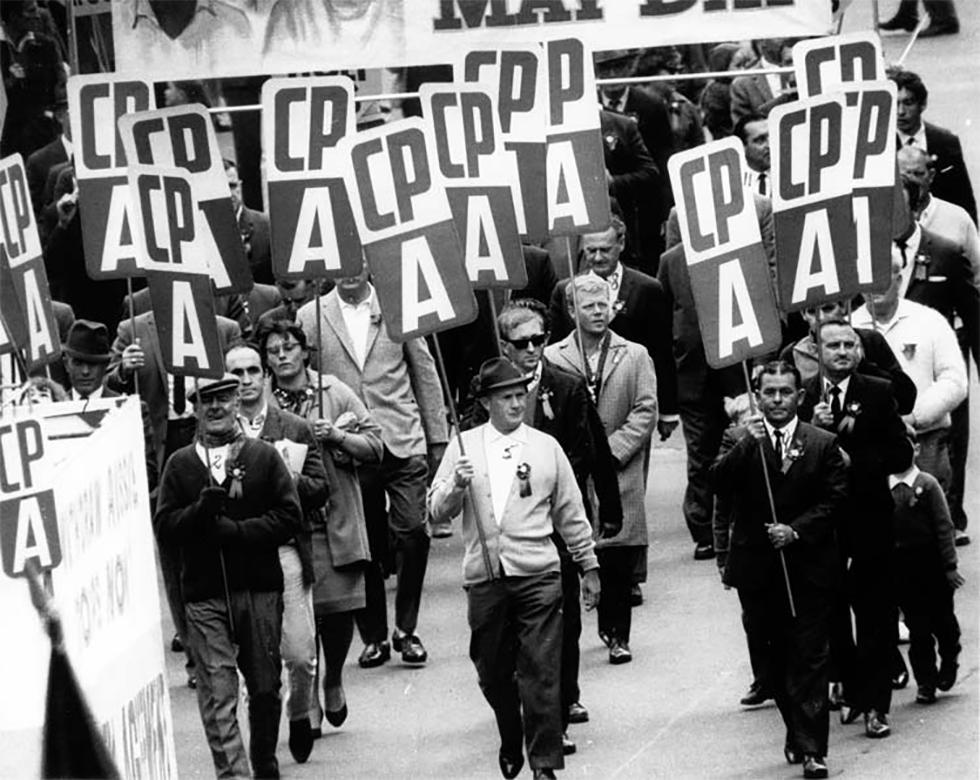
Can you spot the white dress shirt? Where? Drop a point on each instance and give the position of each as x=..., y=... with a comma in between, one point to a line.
x=503, y=452
x=843, y=385
x=93, y=396
x=357, y=318
x=911, y=250
x=918, y=138
x=788, y=431
x=252, y=428
x=906, y=477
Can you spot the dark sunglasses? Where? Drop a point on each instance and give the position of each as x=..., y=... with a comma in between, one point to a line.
x=534, y=341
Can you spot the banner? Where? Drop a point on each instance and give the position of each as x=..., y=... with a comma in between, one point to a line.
x=726, y=260
x=31, y=322
x=183, y=137
x=160, y=41
x=406, y=224
x=187, y=327
x=481, y=181
x=312, y=227
x=95, y=104
x=812, y=155
x=105, y=589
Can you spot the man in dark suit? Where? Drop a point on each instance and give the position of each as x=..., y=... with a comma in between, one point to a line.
x=808, y=480
x=758, y=93
x=254, y=229
x=952, y=181
x=40, y=163
x=861, y=411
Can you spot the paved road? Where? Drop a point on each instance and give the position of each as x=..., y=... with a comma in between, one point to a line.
x=673, y=712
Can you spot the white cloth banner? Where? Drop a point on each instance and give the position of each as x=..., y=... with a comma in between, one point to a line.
x=237, y=38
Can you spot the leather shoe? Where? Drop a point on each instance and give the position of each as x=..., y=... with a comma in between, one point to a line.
x=704, y=552
x=899, y=22
x=619, y=652
x=336, y=718
x=374, y=654
x=849, y=714
x=756, y=695
x=510, y=765
x=300, y=740
x=962, y=539
x=410, y=646
x=876, y=725
x=577, y=713
x=567, y=745
x=793, y=756
x=192, y=681
x=176, y=645
x=636, y=596
x=947, y=675
x=836, y=697
x=900, y=680
x=940, y=28
x=925, y=694
x=814, y=766
x=606, y=638
x=544, y=773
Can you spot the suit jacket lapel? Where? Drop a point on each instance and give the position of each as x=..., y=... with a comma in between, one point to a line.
x=374, y=328
x=333, y=317
x=617, y=351
x=796, y=443
x=568, y=351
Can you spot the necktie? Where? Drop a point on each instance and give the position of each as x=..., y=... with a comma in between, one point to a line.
x=180, y=397
x=762, y=183
x=911, y=141
x=902, y=246
x=779, y=445
x=835, y=402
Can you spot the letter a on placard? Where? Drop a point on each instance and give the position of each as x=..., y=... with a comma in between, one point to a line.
x=734, y=300
x=183, y=309
x=417, y=260
x=480, y=224
x=188, y=339
x=32, y=540
x=816, y=243
x=119, y=245
x=315, y=215
x=39, y=335
x=565, y=195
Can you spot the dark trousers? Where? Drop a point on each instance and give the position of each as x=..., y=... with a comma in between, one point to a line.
x=515, y=644
x=249, y=639
x=616, y=567
x=571, y=609
x=756, y=628
x=871, y=591
x=959, y=442
x=926, y=600
x=799, y=660
x=703, y=421
x=403, y=526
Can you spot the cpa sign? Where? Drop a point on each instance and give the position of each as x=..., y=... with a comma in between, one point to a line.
x=726, y=261
x=28, y=520
x=310, y=219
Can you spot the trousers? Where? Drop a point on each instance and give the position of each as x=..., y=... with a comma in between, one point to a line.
x=616, y=567
x=703, y=422
x=298, y=634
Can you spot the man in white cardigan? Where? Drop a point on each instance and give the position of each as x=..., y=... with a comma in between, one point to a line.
x=514, y=486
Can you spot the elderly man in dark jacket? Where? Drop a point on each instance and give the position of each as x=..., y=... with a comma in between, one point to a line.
x=229, y=502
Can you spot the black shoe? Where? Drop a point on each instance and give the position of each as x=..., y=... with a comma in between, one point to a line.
x=946, y=678
x=606, y=638
x=876, y=725
x=900, y=680
x=926, y=694
x=374, y=654
x=962, y=539
x=577, y=713
x=192, y=681
x=636, y=596
x=442, y=530
x=757, y=694
x=619, y=652
x=793, y=756
x=300, y=740
x=176, y=645
x=567, y=746
x=836, y=697
x=940, y=28
x=704, y=552
x=336, y=718
x=849, y=714
x=510, y=765
x=410, y=646
x=545, y=773
x=899, y=21
x=814, y=766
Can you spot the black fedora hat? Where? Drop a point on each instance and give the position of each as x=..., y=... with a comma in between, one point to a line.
x=497, y=374
x=88, y=341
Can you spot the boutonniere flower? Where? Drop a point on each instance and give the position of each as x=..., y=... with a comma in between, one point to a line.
x=617, y=306
x=794, y=453
x=853, y=408
x=916, y=495
x=375, y=318
x=544, y=395
x=237, y=473
x=524, y=477
x=611, y=141
x=617, y=356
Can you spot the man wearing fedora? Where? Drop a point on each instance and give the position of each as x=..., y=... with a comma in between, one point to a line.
x=86, y=354
x=229, y=502
x=514, y=486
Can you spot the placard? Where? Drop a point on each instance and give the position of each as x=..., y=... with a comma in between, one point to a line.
x=726, y=260
x=187, y=327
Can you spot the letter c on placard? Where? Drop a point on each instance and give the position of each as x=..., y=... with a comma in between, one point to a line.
x=700, y=242
x=788, y=189
x=373, y=219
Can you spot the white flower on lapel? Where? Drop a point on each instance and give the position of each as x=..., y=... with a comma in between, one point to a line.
x=544, y=395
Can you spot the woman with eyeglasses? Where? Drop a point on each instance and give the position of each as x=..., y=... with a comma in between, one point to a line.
x=347, y=436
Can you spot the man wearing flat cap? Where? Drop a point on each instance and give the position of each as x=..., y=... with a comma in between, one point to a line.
x=513, y=486
x=229, y=502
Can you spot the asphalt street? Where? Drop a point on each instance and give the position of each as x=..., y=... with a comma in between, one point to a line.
x=673, y=712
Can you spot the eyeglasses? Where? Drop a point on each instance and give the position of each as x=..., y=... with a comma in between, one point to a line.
x=534, y=341
x=282, y=349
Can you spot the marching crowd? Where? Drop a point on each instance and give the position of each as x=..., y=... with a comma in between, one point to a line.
x=328, y=455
